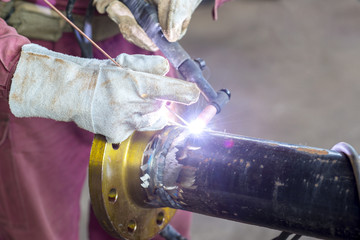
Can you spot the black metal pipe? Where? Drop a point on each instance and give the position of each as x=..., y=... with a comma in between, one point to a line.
x=299, y=189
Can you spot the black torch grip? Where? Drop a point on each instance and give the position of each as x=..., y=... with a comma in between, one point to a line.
x=146, y=16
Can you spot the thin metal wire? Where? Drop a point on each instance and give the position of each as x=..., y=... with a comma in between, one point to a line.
x=177, y=115
x=81, y=32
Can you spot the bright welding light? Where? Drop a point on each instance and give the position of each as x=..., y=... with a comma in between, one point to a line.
x=200, y=123
x=197, y=126
x=204, y=118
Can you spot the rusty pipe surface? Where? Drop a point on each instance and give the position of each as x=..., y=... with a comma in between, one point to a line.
x=299, y=189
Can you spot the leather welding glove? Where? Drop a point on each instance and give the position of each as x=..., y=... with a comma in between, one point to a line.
x=96, y=94
x=174, y=18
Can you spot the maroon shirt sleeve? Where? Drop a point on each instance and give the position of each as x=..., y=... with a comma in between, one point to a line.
x=10, y=48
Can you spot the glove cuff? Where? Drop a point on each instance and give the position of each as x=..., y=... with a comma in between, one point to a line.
x=53, y=85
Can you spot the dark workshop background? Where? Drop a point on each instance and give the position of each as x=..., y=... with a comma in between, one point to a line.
x=293, y=68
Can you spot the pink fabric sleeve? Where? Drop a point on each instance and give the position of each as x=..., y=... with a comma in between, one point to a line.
x=10, y=47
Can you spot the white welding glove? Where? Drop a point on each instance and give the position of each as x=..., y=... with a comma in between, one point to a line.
x=96, y=94
x=174, y=18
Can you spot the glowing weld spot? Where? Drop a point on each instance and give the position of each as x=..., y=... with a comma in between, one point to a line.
x=197, y=126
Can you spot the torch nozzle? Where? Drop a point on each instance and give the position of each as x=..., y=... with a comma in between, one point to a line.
x=223, y=96
x=207, y=114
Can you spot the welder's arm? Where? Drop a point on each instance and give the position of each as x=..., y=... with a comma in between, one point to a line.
x=10, y=48
x=97, y=95
x=174, y=18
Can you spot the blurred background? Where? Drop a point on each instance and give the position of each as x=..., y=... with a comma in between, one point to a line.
x=293, y=68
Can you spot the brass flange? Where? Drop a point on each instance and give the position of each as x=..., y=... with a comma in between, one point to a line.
x=116, y=194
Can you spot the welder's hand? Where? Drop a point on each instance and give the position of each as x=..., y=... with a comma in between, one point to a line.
x=96, y=94
x=174, y=17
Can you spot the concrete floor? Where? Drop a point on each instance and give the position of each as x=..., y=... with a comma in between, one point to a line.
x=293, y=68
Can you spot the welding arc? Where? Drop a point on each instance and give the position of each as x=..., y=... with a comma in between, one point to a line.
x=81, y=32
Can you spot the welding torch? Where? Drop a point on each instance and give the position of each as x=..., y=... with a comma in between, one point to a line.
x=146, y=16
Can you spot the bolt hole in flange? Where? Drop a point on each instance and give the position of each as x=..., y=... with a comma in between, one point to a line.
x=113, y=195
x=160, y=218
x=115, y=146
x=132, y=226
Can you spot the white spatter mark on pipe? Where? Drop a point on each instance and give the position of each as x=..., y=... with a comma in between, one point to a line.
x=144, y=167
x=145, y=184
x=145, y=177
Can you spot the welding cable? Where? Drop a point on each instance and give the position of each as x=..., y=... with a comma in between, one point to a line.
x=284, y=236
x=85, y=45
x=296, y=237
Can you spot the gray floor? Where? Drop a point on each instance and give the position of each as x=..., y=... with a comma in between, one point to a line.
x=293, y=67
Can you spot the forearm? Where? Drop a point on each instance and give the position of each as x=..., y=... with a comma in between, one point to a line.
x=10, y=48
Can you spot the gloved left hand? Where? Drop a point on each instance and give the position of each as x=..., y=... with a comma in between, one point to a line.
x=174, y=18
x=96, y=94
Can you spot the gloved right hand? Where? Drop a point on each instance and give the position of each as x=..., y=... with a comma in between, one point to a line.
x=96, y=94
x=174, y=18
